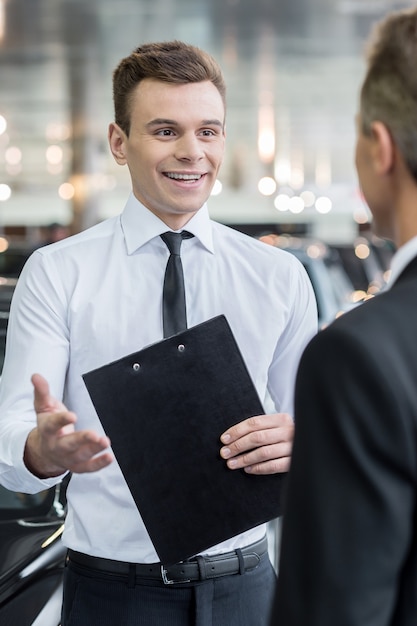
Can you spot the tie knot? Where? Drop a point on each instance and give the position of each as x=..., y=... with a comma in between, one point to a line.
x=173, y=240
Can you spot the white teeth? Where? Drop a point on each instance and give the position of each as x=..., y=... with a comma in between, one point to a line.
x=184, y=176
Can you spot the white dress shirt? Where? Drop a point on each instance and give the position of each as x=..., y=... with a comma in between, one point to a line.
x=96, y=297
x=402, y=257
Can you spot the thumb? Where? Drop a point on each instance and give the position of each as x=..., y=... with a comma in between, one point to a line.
x=43, y=401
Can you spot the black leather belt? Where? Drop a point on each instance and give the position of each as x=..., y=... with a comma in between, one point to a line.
x=197, y=568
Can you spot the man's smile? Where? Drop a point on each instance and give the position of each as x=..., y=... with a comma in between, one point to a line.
x=178, y=176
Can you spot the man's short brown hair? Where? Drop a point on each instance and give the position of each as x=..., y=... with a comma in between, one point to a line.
x=171, y=62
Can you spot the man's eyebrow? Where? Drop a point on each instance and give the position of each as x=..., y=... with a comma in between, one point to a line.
x=214, y=122
x=161, y=121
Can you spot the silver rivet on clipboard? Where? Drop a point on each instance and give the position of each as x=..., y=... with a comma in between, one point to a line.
x=136, y=367
x=181, y=347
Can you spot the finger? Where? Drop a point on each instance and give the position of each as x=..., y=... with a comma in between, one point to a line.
x=94, y=464
x=259, y=456
x=86, y=453
x=86, y=444
x=257, y=440
x=255, y=423
x=43, y=401
x=274, y=466
x=56, y=424
x=41, y=392
x=82, y=444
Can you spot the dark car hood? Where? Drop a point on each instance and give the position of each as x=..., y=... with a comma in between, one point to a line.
x=23, y=540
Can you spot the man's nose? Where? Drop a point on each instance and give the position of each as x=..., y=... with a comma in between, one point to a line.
x=189, y=148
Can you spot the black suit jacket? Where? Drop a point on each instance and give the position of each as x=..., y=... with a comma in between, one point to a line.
x=349, y=539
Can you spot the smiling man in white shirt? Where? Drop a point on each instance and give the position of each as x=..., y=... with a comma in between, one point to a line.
x=97, y=296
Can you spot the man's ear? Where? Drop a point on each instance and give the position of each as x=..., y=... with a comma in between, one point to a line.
x=117, y=142
x=383, y=148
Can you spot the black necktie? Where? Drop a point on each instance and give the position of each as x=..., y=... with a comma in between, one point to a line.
x=174, y=313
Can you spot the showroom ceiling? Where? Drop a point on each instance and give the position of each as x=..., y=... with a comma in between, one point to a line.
x=300, y=62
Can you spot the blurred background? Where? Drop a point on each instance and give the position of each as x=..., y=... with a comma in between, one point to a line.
x=293, y=70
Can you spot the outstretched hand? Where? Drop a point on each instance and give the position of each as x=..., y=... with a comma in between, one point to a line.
x=54, y=446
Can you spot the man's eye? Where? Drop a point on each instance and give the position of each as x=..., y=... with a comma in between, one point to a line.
x=165, y=132
x=208, y=133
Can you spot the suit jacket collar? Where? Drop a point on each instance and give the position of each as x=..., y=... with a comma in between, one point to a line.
x=403, y=256
x=409, y=271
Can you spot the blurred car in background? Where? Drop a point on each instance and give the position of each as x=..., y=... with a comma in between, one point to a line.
x=7, y=286
x=333, y=288
x=13, y=256
x=32, y=556
x=366, y=261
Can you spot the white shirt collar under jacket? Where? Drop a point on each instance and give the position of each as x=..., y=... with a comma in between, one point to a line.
x=402, y=258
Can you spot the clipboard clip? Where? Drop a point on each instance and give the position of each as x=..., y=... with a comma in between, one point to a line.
x=169, y=581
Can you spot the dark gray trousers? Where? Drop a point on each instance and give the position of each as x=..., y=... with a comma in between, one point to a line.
x=96, y=599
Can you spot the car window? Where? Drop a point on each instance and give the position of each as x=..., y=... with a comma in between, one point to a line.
x=21, y=501
x=13, y=259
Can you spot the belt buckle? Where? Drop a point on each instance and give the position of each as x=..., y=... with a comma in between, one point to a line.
x=169, y=581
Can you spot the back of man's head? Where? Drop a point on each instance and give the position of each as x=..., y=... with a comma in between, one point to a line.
x=389, y=91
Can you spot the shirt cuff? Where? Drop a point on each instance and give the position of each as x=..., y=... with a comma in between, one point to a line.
x=17, y=477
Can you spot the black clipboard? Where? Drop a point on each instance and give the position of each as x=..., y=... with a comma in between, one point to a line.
x=164, y=409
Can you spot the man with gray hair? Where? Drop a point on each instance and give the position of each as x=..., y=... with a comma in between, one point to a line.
x=349, y=540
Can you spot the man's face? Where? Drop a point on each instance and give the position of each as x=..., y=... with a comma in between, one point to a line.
x=175, y=146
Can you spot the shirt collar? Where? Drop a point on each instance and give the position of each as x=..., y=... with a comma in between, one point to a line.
x=404, y=255
x=140, y=225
